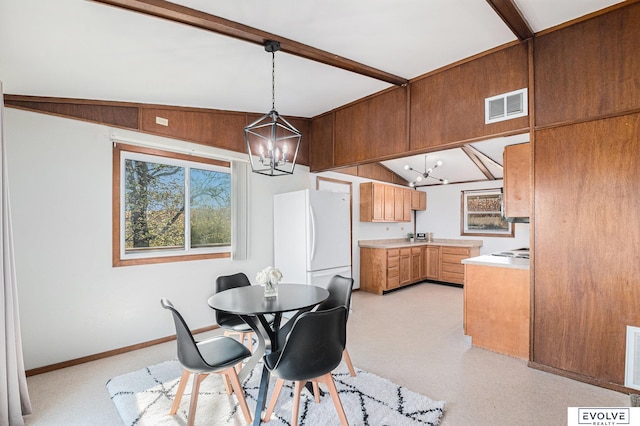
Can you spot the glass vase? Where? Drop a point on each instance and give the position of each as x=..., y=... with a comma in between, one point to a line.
x=271, y=289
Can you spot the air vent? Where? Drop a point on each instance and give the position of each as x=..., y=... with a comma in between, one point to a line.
x=506, y=106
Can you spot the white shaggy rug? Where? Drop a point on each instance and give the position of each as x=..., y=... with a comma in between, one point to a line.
x=144, y=397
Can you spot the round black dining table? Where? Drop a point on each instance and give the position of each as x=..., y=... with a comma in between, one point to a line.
x=254, y=308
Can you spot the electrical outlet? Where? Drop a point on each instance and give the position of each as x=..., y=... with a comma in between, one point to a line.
x=162, y=121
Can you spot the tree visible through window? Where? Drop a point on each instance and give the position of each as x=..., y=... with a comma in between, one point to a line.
x=155, y=217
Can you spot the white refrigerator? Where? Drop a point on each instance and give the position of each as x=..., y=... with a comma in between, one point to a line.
x=312, y=236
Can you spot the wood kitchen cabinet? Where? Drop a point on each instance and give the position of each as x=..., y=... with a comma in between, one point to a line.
x=418, y=200
x=416, y=264
x=384, y=203
x=384, y=269
x=451, y=267
x=431, y=262
x=517, y=180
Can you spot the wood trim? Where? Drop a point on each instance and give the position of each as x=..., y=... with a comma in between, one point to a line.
x=465, y=60
x=511, y=16
x=116, y=208
x=472, y=153
x=113, y=352
x=198, y=19
x=592, y=15
x=585, y=379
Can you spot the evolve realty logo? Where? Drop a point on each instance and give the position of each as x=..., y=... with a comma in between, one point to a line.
x=604, y=416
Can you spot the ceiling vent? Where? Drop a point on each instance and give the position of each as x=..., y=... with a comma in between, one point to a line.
x=506, y=106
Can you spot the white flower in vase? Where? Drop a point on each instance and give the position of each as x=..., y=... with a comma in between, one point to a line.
x=269, y=277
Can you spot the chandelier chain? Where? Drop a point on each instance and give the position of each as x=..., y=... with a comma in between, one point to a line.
x=273, y=80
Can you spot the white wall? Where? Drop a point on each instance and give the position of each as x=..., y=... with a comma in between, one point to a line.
x=73, y=303
x=442, y=217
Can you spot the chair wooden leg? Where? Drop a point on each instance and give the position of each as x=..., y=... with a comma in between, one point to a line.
x=197, y=379
x=181, y=386
x=274, y=399
x=237, y=387
x=296, y=402
x=316, y=391
x=347, y=359
x=327, y=379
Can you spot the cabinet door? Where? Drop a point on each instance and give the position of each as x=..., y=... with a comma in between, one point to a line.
x=405, y=266
x=416, y=264
x=431, y=262
x=389, y=203
x=406, y=205
x=517, y=180
x=378, y=202
x=398, y=202
x=418, y=200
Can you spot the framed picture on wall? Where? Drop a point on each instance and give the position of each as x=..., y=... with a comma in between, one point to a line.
x=481, y=214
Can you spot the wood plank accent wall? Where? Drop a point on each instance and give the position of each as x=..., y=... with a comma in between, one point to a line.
x=586, y=232
x=370, y=129
x=587, y=240
x=590, y=69
x=215, y=128
x=448, y=106
x=110, y=113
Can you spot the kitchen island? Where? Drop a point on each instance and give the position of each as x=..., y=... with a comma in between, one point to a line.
x=497, y=304
x=392, y=263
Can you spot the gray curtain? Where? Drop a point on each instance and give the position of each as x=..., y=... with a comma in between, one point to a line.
x=14, y=402
x=240, y=210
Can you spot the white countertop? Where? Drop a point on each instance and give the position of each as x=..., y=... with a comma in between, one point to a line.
x=497, y=261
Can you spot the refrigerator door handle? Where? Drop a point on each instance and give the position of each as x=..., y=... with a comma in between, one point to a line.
x=313, y=232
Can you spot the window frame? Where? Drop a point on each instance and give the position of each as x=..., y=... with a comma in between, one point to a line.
x=117, y=231
x=465, y=211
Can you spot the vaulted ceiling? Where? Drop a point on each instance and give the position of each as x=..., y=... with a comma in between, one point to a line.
x=92, y=50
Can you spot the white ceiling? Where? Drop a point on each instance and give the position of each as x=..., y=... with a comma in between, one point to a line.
x=88, y=50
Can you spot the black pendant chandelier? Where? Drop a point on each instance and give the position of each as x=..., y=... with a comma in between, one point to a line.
x=272, y=143
x=426, y=174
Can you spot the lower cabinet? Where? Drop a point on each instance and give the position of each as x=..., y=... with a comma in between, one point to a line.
x=386, y=269
x=431, y=262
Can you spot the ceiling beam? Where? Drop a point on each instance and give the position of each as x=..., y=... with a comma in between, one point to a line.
x=198, y=19
x=510, y=14
x=475, y=155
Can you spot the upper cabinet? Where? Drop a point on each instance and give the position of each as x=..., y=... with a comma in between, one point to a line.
x=517, y=180
x=418, y=200
x=380, y=202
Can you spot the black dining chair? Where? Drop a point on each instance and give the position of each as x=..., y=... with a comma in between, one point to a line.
x=231, y=323
x=217, y=355
x=312, y=350
x=340, y=289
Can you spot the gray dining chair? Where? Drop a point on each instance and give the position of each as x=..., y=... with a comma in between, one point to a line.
x=217, y=355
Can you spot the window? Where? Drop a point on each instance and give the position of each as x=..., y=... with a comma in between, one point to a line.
x=481, y=214
x=169, y=207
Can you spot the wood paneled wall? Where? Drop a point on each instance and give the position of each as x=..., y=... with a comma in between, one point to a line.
x=586, y=264
x=373, y=128
x=440, y=110
x=220, y=129
x=587, y=246
x=589, y=70
x=448, y=106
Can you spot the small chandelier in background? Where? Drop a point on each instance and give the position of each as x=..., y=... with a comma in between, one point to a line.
x=271, y=138
x=426, y=174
